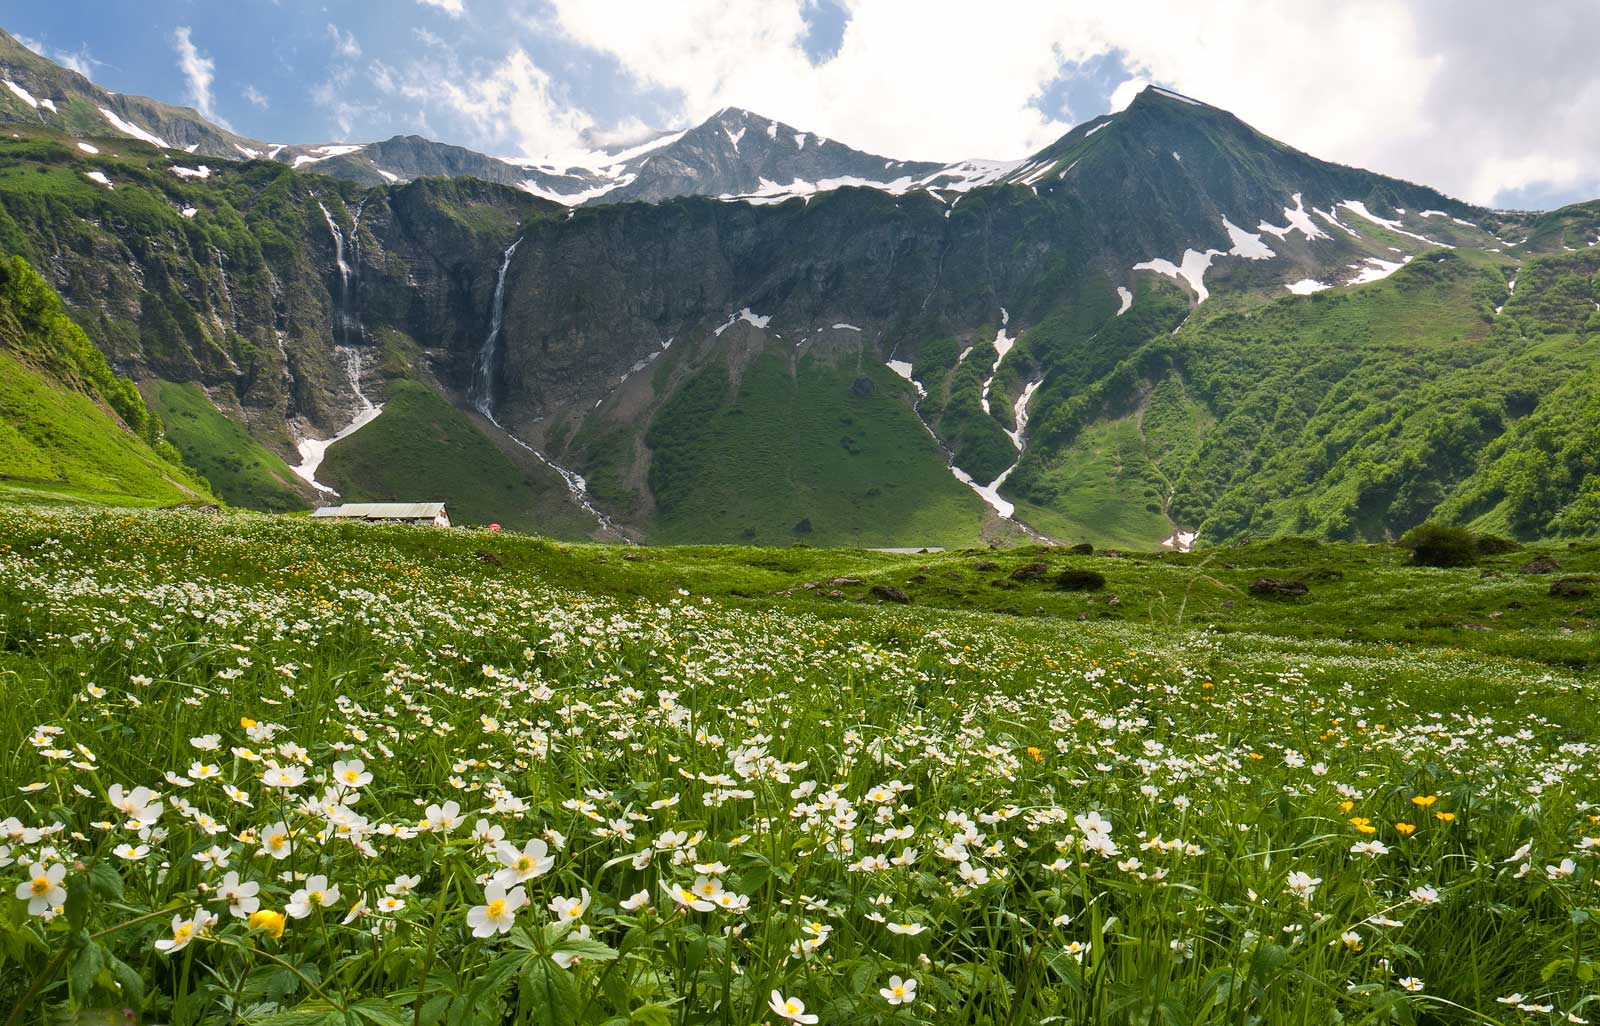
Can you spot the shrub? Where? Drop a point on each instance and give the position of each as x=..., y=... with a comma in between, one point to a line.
x=1440, y=545
x=1080, y=580
x=1494, y=545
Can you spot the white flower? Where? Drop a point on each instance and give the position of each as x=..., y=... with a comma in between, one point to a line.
x=351, y=775
x=42, y=890
x=184, y=931
x=1371, y=849
x=521, y=866
x=1302, y=885
x=403, y=885
x=284, y=776
x=315, y=894
x=1411, y=984
x=1424, y=895
x=568, y=909
x=899, y=991
x=792, y=1009
x=139, y=805
x=276, y=841
x=635, y=901
x=498, y=912
x=907, y=929
x=442, y=818
x=1562, y=871
x=241, y=897
x=687, y=898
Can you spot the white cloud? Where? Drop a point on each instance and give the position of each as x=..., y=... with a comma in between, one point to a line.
x=514, y=104
x=451, y=7
x=344, y=43
x=255, y=97
x=199, y=71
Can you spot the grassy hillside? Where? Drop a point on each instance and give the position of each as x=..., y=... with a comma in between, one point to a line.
x=825, y=454
x=67, y=424
x=241, y=470
x=425, y=450
x=1349, y=415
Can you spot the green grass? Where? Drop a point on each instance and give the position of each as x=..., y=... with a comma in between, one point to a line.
x=803, y=455
x=241, y=470
x=422, y=449
x=1101, y=821
x=55, y=439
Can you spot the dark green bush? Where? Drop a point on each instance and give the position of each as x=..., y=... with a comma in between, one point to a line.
x=1440, y=545
x=1080, y=580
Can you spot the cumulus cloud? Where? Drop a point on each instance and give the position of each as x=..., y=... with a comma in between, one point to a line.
x=516, y=104
x=255, y=97
x=453, y=8
x=199, y=72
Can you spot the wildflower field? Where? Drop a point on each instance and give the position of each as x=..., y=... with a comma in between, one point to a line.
x=259, y=770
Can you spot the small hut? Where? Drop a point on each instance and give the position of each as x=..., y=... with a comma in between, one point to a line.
x=424, y=514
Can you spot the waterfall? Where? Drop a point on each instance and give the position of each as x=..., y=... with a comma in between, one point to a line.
x=342, y=309
x=482, y=389
x=481, y=394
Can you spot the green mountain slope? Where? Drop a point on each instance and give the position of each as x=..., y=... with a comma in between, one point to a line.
x=68, y=427
x=238, y=467
x=423, y=449
x=811, y=451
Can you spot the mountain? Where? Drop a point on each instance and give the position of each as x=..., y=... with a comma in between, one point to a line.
x=1164, y=324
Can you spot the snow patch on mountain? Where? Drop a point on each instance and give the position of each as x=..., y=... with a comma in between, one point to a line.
x=1298, y=221
x=22, y=94
x=1245, y=244
x=1306, y=286
x=1192, y=269
x=1376, y=270
x=128, y=128
x=1127, y=299
x=201, y=172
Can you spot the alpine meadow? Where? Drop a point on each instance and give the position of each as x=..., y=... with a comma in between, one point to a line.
x=715, y=575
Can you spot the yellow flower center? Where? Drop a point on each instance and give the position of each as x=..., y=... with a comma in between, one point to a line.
x=314, y=897
x=41, y=886
x=277, y=841
x=352, y=776
x=497, y=908
x=900, y=992
x=182, y=933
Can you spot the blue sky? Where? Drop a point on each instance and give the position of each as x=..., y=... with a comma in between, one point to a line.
x=1492, y=109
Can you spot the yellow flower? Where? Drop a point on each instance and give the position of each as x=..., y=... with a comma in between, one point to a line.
x=1257, y=756
x=1405, y=829
x=267, y=921
x=1363, y=824
x=1346, y=806
x=1445, y=817
x=1424, y=800
x=245, y=723
x=1035, y=754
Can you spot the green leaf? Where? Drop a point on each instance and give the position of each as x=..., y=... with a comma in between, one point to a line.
x=105, y=881
x=589, y=949
x=379, y=1012
x=549, y=993
x=132, y=983
x=91, y=958
x=652, y=1015
x=78, y=900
